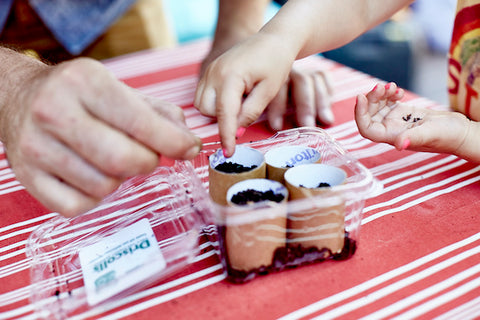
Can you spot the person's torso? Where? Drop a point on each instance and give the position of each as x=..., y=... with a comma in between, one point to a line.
x=58, y=29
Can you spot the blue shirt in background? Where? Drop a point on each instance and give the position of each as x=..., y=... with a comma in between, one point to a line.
x=75, y=23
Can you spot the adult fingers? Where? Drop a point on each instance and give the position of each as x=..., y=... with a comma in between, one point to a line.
x=111, y=150
x=165, y=109
x=127, y=113
x=109, y=100
x=49, y=155
x=59, y=196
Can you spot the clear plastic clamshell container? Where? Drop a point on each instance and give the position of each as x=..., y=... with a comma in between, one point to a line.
x=170, y=199
x=315, y=224
x=259, y=238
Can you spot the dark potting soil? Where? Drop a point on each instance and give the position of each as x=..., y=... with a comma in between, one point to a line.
x=286, y=257
x=230, y=167
x=251, y=195
x=320, y=185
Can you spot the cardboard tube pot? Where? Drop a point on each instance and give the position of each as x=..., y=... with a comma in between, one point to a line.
x=256, y=229
x=220, y=181
x=322, y=224
x=280, y=159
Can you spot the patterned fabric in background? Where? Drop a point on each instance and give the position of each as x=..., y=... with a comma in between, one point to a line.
x=75, y=24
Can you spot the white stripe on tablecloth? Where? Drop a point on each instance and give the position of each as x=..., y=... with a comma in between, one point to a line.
x=402, y=163
x=389, y=289
x=427, y=293
x=342, y=130
x=167, y=297
x=468, y=310
x=13, y=189
x=443, y=167
x=6, y=177
x=35, y=220
x=454, y=162
x=20, y=311
x=373, y=151
x=386, y=277
x=438, y=301
x=430, y=196
x=9, y=185
x=147, y=62
x=5, y=173
x=428, y=173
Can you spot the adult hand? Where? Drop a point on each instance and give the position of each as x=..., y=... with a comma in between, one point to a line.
x=75, y=133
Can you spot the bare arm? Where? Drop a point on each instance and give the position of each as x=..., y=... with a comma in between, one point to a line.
x=259, y=66
x=20, y=69
x=312, y=26
x=238, y=20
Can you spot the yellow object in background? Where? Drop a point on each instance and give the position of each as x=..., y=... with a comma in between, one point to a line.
x=144, y=26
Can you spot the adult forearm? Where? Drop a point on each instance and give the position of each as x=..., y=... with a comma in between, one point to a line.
x=313, y=26
x=16, y=69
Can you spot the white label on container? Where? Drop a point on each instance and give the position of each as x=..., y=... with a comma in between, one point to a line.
x=120, y=261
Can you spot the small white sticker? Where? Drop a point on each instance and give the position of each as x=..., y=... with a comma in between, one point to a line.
x=120, y=261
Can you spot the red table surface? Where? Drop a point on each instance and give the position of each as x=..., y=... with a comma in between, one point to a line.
x=419, y=246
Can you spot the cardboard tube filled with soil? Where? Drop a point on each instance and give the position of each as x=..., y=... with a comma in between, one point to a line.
x=246, y=163
x=280, y=159
x=322, y=223
x=255, y=226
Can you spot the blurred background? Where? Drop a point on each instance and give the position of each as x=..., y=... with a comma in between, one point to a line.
x=410, y=49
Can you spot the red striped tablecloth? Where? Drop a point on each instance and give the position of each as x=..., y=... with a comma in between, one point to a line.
x=419, y=246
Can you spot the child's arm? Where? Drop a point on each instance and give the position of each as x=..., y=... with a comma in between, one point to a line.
x=238, y=86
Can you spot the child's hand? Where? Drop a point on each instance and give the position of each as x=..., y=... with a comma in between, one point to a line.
x=309, y=92
x=382, y=118
x=238, y=86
